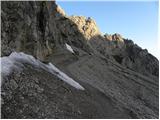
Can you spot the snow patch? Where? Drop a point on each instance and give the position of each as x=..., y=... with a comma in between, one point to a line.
x=15, y=62
x=64, y=77
x=69, y=48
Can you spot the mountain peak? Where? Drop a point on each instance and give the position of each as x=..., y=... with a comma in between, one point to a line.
x=114, y=37
x=86, y=25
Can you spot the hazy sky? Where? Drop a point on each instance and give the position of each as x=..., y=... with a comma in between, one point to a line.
x=134, y=20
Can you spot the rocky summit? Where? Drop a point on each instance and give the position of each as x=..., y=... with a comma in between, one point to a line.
x=59, y=66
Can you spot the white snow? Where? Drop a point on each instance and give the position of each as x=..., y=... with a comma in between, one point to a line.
x=64, y=77
x=15, y=62
x=69, y=48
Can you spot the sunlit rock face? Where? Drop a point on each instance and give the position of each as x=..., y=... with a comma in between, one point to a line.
x=87, y=26
x=118, y=78
x=114, y=37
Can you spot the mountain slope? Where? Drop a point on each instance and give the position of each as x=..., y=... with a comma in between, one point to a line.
x=117, y=78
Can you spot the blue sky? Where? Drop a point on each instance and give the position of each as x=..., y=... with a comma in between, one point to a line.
x=133, y=20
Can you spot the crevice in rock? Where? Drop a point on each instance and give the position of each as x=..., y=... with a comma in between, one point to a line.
x=118, y=58
x=41, y=19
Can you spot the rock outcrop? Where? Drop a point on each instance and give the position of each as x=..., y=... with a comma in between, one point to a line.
x=87, y=26
x=119, y=77
x=37, y=28
x=126, y=53
x=115, y=37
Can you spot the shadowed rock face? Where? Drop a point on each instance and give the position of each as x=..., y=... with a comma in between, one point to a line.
x=126, y=53
x=37, y=28
x=119, y=77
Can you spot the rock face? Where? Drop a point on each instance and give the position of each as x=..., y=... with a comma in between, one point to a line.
x=119, y=77
x=25, y=28
x=126, y=53
x=37, y=28
x=115, y=37
x=87, y=26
